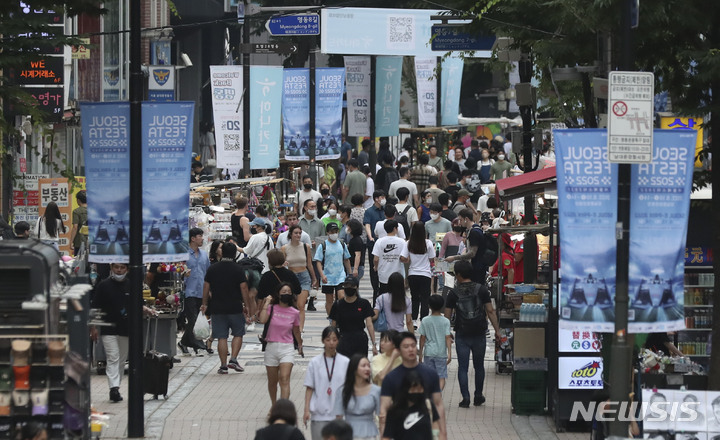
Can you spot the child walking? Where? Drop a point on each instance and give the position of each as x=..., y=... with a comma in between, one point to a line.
x=435, y=339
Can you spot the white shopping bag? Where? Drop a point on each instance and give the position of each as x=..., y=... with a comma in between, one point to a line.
x=202, y=327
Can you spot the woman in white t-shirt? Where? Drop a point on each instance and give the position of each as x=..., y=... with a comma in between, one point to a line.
x=49, y=227
x=419, y=252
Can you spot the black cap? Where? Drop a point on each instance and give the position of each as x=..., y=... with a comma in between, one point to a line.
x=332, y=226
x=352, y=280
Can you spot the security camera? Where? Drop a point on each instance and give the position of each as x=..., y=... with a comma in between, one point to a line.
x=185, y=60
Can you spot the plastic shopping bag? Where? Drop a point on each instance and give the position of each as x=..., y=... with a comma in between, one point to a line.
x=202, y=327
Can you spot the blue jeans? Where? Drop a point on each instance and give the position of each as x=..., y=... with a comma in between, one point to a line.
x=464, y=345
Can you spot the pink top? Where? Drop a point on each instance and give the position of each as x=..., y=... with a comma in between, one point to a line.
x=282, y=323
x=450, y=239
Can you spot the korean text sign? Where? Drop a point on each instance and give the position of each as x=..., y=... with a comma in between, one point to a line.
x=227, y=90
x=357, y=80
x=387, y=96
x=167, y=155
x=329, y=84
x=57, y=190
x=265, y=114
x=426, y=90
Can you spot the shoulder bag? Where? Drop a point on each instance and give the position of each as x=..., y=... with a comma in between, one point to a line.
x=263, y=337
x=381, y=323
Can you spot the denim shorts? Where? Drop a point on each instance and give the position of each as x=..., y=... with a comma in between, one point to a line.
x=222, y=324
x=305, y=280
x=439, y=364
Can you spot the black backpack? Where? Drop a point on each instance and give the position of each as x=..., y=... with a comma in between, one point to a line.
x=391, y=176
x=489, y=255
x=401, y=218
x=323, y=253
x=470, y=312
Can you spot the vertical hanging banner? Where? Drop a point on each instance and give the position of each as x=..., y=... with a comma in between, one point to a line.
x=329, y=84
x=266, y=101
x=426, y=90
x=451, y=77
x=57, y=190
x=387, y=96
x=167, y=155
x=357, y=80
x=587, y=203
x=659, y=210
x=106, y=145
x=296, y=114
x=226, y=83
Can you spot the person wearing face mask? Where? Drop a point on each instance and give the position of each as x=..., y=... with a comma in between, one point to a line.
x=354, y=181
x=332, y=260
x=283, y=323
x=332, y=215
x=308, y=193
x=112, y=297
x=351, y=315
x=373, y=215
x=484, y=164
x=423, y=211
x=309, y=222
x=501, y=168
x=437, y=224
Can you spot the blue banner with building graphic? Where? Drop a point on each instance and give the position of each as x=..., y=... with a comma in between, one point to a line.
x=296, y=114
x=329, y=84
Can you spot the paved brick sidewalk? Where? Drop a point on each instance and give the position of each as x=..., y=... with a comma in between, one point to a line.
x=203, y=404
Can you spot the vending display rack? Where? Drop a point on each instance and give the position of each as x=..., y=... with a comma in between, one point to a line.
x=695, y=340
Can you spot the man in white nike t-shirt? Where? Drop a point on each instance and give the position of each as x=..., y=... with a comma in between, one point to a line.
x=386, y=253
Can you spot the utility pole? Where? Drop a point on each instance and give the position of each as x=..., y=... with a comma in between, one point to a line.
x=136, y=418
x=525, y=69
x=438, y=107
x=311, y=93
x=621, y=352
x=372, y=157
x=246, y=93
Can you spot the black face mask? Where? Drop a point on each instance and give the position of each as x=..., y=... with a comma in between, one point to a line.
x=325, y=192
x=308, y=186
x=461, y=230
x=416, y=398
x=350, y=291
x=285, y=298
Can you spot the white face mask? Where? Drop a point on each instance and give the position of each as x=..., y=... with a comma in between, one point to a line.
x=118, y=278
x=383, y=202
x=332, y=212
x=501, y=157
x=434, y=216
x=333, y=237
x=428, y=200
x=312, y=212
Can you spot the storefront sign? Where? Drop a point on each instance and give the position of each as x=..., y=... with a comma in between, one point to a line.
x=573, y=341
x=426, y=90
x=587, y=194
x=227, y=92
x=161, y=83
x=57, y=191
x=451, y=77
x=328, y=112
x=265, y=116
x=679, y=123
x=47, y=100
x=387, y=96
x=105, y=135
x=167, y=156
x=296, y=114
x=580, y=373
x=659, y=210
x=52, y=16
x=26, y=199
x=357, y=79
x=698, y=256
x=81, y=51
x=45, y=71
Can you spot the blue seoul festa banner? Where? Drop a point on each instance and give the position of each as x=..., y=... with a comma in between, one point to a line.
x=266, y=94
x=296, y=114
x=167, y=155
x=387, y=96
x=329, y=83
x=106, y=144
x=451, y=79
x=587, y=205
x=659, y=210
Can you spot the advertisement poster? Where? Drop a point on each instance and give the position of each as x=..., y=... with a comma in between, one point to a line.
x=329, y=84
x=426, y=90
x=659, y=210
x=106, y=145
x=296, y=114
x=657, y=412
x=587, y=191
x=573, y=341
x=680, y=123
x=227, y=90
x=580, y=373
x=26, y=199
x=692, y=413
x=451, y=80
x=57, y=190
x=387, y=96
x=167, y=156
x=357, y=81
x=265, y=113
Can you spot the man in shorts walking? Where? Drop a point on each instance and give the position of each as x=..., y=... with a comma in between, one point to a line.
x=226, y=280
x=332, y=260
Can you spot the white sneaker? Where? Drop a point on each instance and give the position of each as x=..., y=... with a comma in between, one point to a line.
x=251, y=327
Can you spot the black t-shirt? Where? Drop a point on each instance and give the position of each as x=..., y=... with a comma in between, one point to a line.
x=448, y=214
x=356, y=245
x=237, y=229
x=393, y=380
x=452, y=191
x=477, y=238
x=279, y=432
x=269, y=282
x=159, y=279
x=112, y=298
x=350, y=317
x=225, y=279
x=466, y=289
x=409, y=424
x=475, y=154
x=656, y=342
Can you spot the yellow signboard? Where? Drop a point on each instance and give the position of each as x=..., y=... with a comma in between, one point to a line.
x=81, y=52
x=678, y=123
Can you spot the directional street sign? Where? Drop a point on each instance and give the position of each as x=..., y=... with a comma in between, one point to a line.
x=630, y=119
x=449, y=37
x=296, y=24
x=268, y=48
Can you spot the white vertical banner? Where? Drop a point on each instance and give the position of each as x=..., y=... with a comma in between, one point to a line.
x=227, y=91
x=426, y=90
x=357, y=80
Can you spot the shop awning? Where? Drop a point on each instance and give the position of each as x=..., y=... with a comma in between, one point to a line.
x=526, y=184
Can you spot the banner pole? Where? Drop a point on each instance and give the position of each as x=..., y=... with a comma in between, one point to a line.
x=621, y=352
x=311, y=96
x=136, y=418
x=438, y=107
x=246, y=95
x=372, y=158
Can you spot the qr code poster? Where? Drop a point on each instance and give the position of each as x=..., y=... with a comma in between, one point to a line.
x=401, y=32
x=231, y=142
x=361, y=116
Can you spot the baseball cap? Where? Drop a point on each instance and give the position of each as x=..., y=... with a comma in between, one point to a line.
x=463, y=192
x=332, y=226
x=258, y=222
x=353, y=280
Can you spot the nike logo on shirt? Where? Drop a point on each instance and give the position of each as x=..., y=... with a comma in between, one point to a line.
x=411, y=420
x=389, y=248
